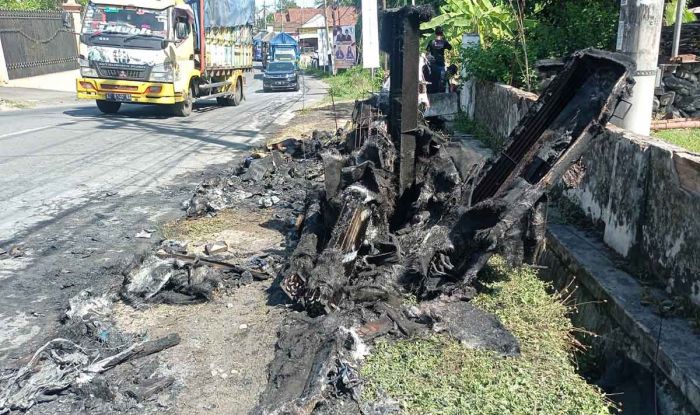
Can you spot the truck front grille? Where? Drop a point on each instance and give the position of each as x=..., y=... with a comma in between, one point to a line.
x=122, y=71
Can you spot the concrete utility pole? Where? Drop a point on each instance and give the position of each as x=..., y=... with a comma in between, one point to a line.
x=638, y=35
x=680, y=8
x=264, y=22
x=328, y=48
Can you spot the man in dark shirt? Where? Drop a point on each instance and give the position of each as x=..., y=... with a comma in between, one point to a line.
x=437, y=48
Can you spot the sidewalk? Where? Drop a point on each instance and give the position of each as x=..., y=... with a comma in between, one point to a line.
x=57, y=81
x=22, y=98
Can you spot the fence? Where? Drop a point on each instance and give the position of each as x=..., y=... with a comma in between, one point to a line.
x=37, y=42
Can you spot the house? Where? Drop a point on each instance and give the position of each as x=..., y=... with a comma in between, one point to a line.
x=308, y=24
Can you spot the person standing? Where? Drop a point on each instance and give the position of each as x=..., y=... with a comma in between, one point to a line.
x=436, y=48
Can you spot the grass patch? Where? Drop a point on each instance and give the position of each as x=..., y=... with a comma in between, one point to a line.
x=439, y=376
x=200, y=229
x=7, y=103
x=351, y=84
x=463, y=124
x=688, y=138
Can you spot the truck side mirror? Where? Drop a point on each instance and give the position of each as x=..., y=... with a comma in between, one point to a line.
x=181, y=31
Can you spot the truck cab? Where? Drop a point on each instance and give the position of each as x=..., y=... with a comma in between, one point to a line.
x=153, y=52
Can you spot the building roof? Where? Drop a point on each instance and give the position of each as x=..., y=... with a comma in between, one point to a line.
x=296, y=17
x=146, y=4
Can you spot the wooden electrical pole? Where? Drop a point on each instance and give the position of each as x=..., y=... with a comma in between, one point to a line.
x=638, y=35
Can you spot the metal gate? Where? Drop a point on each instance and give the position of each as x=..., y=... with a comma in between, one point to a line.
x=37, y=42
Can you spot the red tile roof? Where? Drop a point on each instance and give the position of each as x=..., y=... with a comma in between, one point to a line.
x=296, y=17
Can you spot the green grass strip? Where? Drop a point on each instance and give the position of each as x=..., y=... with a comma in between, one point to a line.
x=440, y=376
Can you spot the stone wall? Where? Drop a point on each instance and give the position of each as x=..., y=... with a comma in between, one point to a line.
x=679, y=94
x=689, y=42
x=644, y=194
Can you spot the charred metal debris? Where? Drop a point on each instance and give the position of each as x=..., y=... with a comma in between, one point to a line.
x=388, y=211
x=404, y=212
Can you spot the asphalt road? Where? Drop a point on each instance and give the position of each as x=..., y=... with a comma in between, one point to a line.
x=77, y=185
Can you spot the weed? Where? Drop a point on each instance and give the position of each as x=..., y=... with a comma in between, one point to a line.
x=351, y=84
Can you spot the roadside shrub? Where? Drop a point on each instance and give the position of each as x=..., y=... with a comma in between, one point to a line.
x=552, y=28
x=501, y=61
x=561, y=30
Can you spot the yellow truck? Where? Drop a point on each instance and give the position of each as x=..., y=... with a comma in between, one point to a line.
x=165, y=52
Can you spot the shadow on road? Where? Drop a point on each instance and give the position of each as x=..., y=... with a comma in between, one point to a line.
x=141, y=121
x=140, y=111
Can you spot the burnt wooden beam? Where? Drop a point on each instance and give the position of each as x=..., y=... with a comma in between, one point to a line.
x=401, y=40
x=409, y=103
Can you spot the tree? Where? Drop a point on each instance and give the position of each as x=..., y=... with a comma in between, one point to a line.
x=34, y=4
x=284, y=5
x=345, y=3
x=28, y=4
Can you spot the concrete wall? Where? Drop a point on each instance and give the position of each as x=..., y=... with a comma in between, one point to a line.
x=497, y=107
x=644, y=194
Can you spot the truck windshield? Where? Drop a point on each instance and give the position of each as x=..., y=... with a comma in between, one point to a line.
x=104, y=19
x=280, y=66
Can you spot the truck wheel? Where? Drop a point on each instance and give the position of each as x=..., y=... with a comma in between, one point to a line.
x=184, y=108
x=108, y=107
x=238, y=94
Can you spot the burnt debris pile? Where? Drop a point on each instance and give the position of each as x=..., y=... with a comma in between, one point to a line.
x=76, y=370
x=276, y=175
x=276, y=178
x=404, y=213
x=387, y=225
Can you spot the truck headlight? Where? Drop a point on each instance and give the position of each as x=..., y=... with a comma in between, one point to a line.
x=88, y=72
x=85, y=70
x=162, y=73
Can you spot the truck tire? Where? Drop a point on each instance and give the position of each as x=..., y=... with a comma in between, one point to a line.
x=238, y=94
x=108, y=107
x=233, y=99
x=184, y=108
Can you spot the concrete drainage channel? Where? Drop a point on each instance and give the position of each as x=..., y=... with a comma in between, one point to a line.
x=640, y=351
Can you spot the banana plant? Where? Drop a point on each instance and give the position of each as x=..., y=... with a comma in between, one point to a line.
x=670, y=13
x=484, y=17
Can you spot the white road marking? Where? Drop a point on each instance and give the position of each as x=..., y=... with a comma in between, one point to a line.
x=31, y=130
